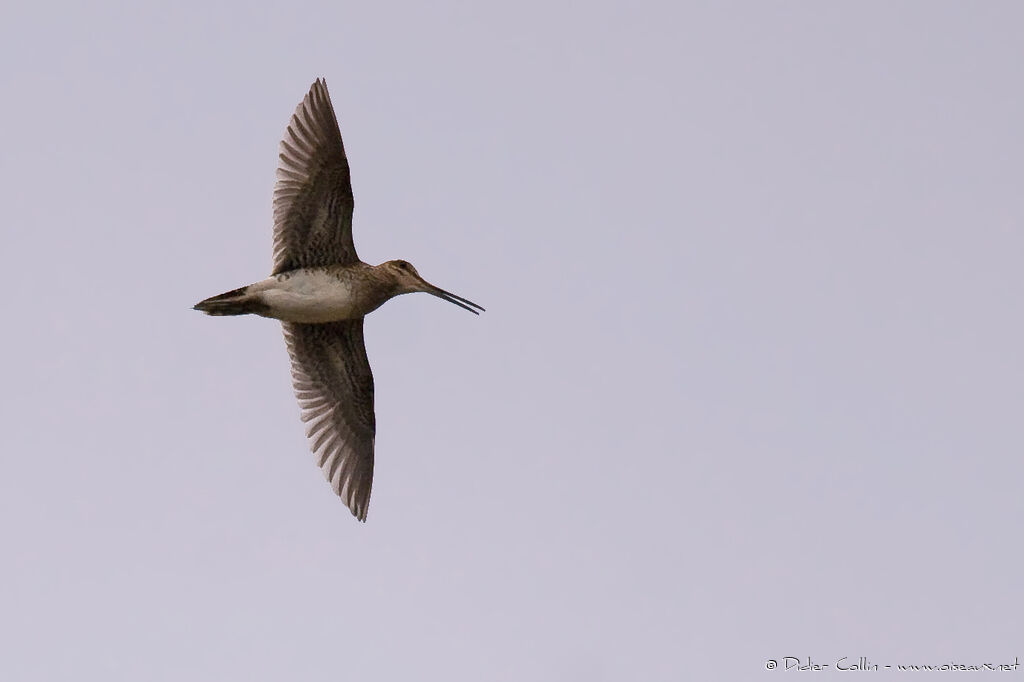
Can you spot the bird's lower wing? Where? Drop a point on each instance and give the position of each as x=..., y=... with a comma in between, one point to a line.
x=333, y=382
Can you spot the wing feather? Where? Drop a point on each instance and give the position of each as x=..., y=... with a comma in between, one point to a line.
x=334, y=386
x=313, y=195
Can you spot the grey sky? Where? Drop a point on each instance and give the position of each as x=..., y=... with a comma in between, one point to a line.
x=749, y=384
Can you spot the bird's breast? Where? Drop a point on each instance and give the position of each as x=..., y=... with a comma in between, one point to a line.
x=317, y=295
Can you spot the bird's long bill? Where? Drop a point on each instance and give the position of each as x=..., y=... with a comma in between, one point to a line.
x=452, y=298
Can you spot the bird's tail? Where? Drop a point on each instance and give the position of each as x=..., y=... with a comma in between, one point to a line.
x=234, y=302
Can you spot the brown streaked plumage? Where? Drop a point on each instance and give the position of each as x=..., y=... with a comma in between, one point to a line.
x=321, y=291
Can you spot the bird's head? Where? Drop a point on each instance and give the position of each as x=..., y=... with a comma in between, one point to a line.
x=408, y=280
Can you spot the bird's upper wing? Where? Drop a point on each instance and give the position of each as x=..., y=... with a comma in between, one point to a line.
x=313, y=195
x=334, y=385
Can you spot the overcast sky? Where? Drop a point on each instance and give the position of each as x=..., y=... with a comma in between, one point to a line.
x=749, y=384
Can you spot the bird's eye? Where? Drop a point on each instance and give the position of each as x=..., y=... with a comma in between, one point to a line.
x=402, y=264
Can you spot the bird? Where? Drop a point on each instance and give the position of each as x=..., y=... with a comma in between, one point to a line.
x=321, y=291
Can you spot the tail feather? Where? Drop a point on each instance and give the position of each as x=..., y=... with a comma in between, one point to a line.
x=234, y=302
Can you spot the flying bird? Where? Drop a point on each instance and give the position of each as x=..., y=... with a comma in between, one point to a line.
x=320, y=290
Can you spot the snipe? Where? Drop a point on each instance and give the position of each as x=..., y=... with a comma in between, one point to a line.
x=321, y=291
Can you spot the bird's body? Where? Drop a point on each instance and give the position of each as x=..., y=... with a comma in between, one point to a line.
x=321, y=291
x=316, y=295
x=329, y=294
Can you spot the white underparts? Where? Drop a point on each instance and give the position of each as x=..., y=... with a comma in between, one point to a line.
x=313, y=296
